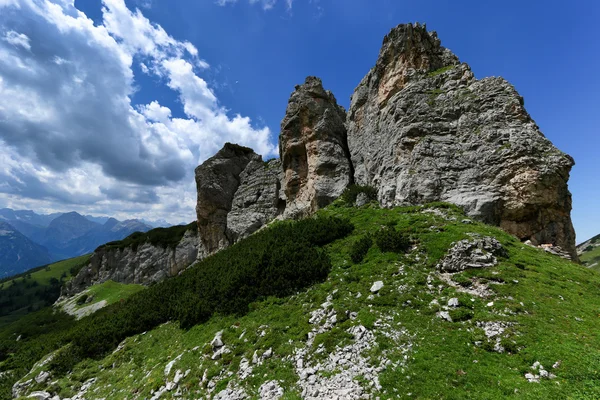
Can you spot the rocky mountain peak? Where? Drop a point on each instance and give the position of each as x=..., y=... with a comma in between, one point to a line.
x=408, y=51
x=421, y=128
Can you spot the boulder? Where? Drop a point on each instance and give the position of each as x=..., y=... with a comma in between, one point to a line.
x=313, y=149
x=422, y=128
x=472, y=253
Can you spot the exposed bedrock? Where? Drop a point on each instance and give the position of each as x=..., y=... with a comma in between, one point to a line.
x=313, y=149
x=421, y=128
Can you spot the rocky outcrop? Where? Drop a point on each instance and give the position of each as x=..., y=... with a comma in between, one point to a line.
x=258, y=199
x=217, y=180
x=475, y=253
x=237, y=194
x=421, y=128
x=313, y=149
x=143, y=264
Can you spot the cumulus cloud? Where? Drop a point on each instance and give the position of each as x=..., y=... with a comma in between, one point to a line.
x=70, y=133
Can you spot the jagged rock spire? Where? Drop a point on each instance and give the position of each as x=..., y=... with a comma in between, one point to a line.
x=313, y=149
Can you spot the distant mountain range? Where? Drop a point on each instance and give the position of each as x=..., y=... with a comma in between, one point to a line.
x=18, y=253
x=28, y=239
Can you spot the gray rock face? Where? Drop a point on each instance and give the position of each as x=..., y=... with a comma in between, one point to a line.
x=313, y=149
x=217, y=180
x=421, y=128
x=143, y=265
x=257, y=200
x=476, y=253
x=237, y=194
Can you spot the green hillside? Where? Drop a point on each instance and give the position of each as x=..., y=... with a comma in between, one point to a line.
x=36, y=288
x=97, y=297
x=589, y=253
x=309, y=320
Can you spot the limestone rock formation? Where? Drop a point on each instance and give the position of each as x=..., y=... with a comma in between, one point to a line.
x=421, y=128
x=144, y=264
x=313, y=149
x=237, y=194
x=257, y=200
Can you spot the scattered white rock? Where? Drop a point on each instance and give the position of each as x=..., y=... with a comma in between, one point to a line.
x=217, y=342
x=40, y=395
x=444, y=315
x=377, y=286
x=541, y=373
x=453, y=302
x=267, y=354
x=170, y=364
x=270, y=390
x=42, y=377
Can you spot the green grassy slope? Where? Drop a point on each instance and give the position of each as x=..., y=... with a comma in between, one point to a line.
x=35, y=289
x=97, y=297
x=548, y=310
x=589, y=253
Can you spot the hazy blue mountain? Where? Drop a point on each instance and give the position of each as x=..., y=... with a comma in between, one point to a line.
x=18, y=253
x=64, y=235
x=98, y=220
x=110, y=231
x=159, y=223
x=27, y=216
x=65, y=228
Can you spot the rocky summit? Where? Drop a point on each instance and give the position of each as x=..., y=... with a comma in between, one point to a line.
x=237, y=194
x=422, y=128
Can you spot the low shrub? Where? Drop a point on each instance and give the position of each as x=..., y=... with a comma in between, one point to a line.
x=360, y=248
x=163, y=237
x=388, y=239
x=82, y=299
x=351, y=193
x=461, y=314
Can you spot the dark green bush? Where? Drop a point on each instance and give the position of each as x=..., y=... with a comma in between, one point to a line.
x=360, y=248
x=351, y=193
x=461, y=314
x=164, y=237
x=389, y=239
x=82, y=299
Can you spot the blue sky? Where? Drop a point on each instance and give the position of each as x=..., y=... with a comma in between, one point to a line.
x=155, y=68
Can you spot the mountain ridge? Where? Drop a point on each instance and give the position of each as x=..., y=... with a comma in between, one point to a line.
x=64, y=235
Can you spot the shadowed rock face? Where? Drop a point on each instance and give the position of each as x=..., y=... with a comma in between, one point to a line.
x=421, y=128
x=313, y=149
x=217, y=180
x=237, y=194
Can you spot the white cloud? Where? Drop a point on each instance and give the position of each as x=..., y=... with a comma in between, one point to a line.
x=17, y=39
x=71, y=136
